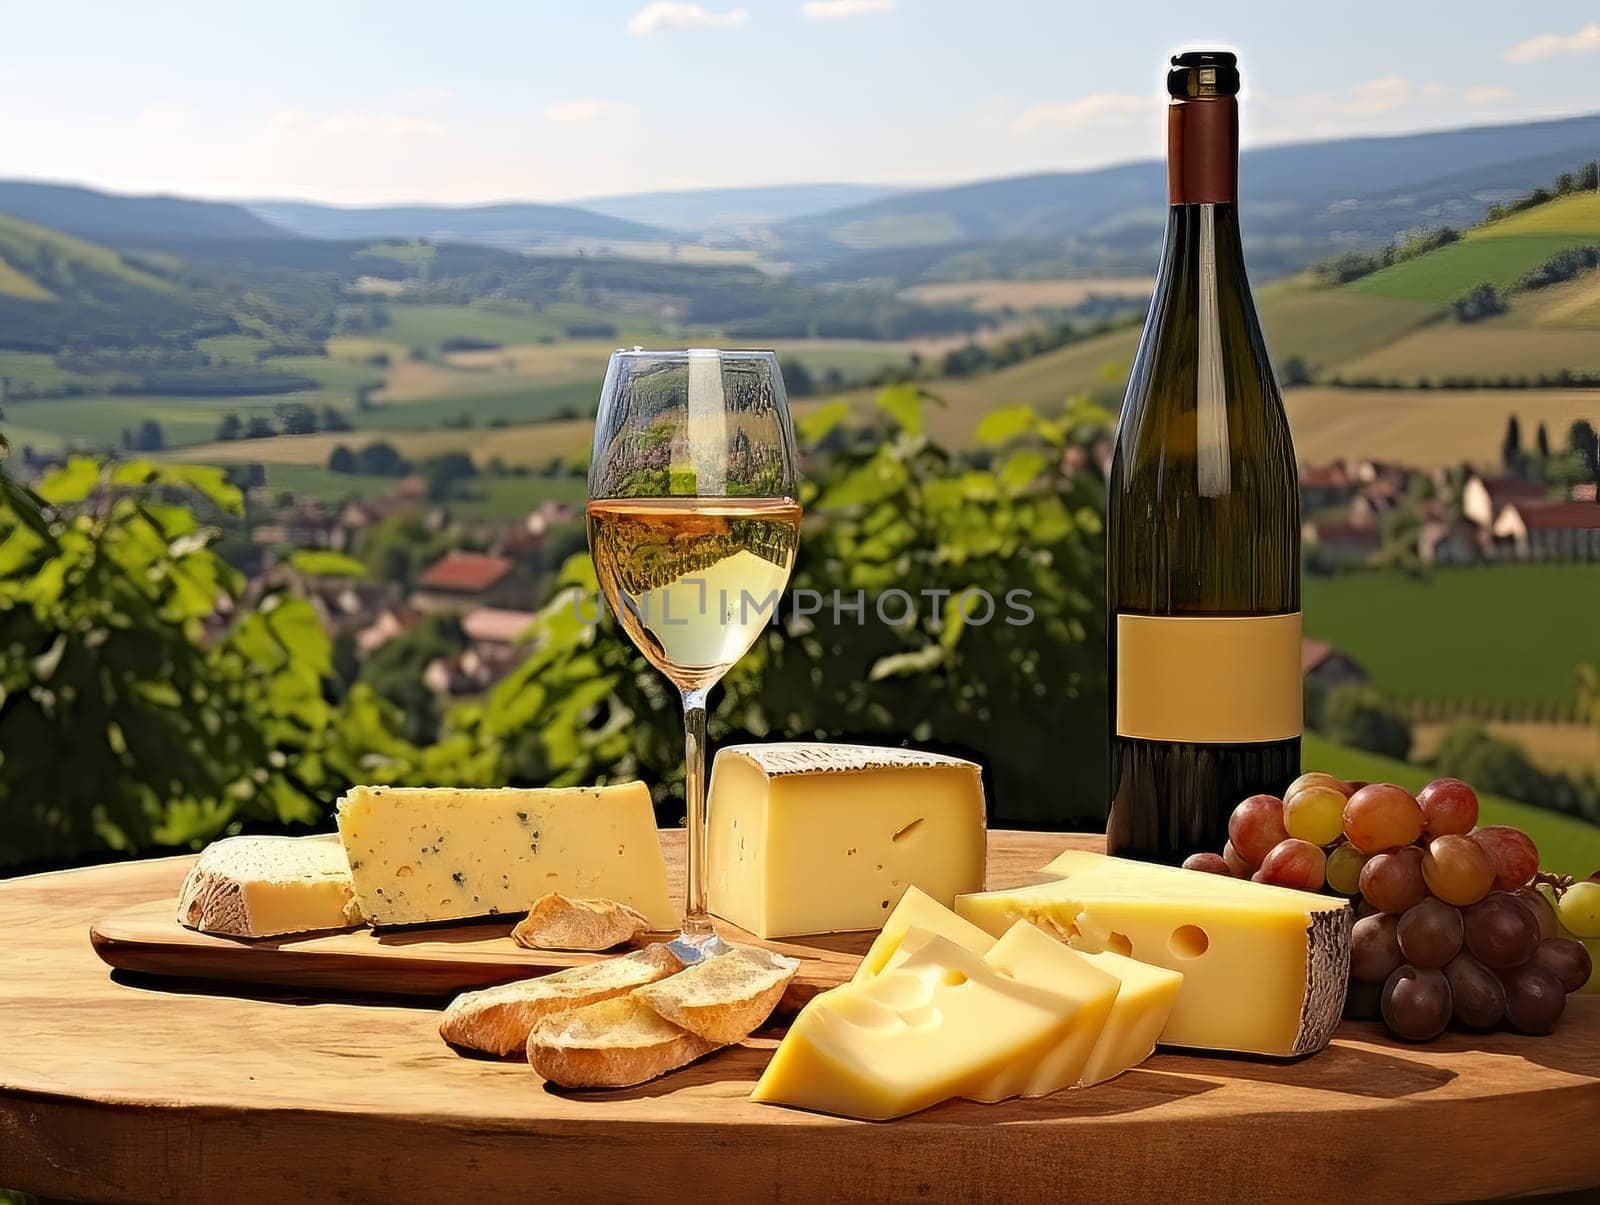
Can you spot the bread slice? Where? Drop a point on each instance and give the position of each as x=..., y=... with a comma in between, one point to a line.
x=613, y=1044
x=725, y=998
x=497, y=1020
x=558, y=922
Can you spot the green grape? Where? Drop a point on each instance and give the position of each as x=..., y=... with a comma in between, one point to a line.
x=1344, y=869
x=1579, y=909
x=1315, y=814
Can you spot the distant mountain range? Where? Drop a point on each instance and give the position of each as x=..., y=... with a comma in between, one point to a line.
x=730, y=210
x=511, y=224
x=1304, y=201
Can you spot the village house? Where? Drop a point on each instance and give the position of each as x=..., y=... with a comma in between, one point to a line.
x=1549, y=531
x=1483, y=498
x=1448, y=540
x=1324, y=486
x=1339, y=543
x=461, y=580
x=1324, y=665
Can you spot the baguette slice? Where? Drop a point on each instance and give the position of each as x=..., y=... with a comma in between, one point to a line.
x=497, y=1020
x=558, y=922
x=615, y=1043
x=723, y=999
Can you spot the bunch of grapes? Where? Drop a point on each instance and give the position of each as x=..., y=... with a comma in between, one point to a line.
x=1453, y=922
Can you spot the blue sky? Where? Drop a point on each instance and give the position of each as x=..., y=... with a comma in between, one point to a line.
x=359, y=102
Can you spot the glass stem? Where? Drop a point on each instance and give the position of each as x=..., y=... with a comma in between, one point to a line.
x=696, y=921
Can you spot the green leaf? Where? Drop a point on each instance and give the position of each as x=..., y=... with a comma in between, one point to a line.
x=901, y=665
x=903, y=403
x=813, y=428
x=877, y=479
x=1002, y=426
x=323, y=562
x=71, y=483
x=1022, y=467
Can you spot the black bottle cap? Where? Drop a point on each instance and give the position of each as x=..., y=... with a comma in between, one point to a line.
x=1203, y=73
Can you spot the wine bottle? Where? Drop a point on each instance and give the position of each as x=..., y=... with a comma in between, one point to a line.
x=1203, y=517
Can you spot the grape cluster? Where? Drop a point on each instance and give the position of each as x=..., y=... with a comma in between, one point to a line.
x=1454, y=923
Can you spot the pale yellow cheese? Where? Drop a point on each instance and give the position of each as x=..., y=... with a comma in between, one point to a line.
x=919, y=910
x=1137, y=1018
x=269, y=886
x=1264, y=968
x=421, y=854
x=810, y=838
x=938, y=1021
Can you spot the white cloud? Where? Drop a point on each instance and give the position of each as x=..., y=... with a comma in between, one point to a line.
x=1380, y=95
x=352, y=123
x=1547, y=45
x=586, y=110
x=839, y=10
x=1101, y=108
x=668, y=14
x=162, y=118
x=1486, y=94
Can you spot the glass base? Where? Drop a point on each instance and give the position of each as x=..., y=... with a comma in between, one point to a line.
x=691, y=947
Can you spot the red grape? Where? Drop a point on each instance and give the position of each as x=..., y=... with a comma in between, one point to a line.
x=1543, y=910
x=1364, y=1001
x=1237, y=866
x=1501, y=931
x=1567, y=959
x=1294, y=863
x=1382, y=816
x=1417, y=1004
x=1393, y=882
x=1429, y=934
x=1256, y=826
x=1207, y=863
x=1448, y=806
x=1374, y=948
x=1535, y=998
x=1480, y=997
x=1512, y=853
x=1457, y=870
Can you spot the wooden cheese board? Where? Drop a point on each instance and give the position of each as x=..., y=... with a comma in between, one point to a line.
x=441, y=960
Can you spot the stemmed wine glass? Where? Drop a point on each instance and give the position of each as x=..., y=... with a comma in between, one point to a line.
x=693, y=526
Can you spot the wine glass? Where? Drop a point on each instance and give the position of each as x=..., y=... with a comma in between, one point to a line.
x=693, y=526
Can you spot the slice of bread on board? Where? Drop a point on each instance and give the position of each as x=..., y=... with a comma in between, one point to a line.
x=559, y=922
x=613, y=1044
x=723, y=999
x=497, y=1020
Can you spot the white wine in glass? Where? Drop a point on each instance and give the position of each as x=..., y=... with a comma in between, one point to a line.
x=693, y=526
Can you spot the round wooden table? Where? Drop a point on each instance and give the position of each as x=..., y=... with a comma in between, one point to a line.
x=126, y=1088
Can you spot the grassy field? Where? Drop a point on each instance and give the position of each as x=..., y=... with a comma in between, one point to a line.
x=1429, y=428
x=1559, y=747
x=1443, y=275
x=1577, y=214
x=489, y=497
x=1513, y=632
x=1566, y=845
x=1062, y=293
x=95, y=422
x=1482, y=350
x=534, y=443
x=1325, y=327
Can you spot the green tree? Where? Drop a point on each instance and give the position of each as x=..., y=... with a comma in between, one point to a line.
x=382, y=459
x=1511, y=446
x=1581, y=439
x=147, y=732
x=229, y=427
x=342, y=460
x=395, y=672
x=1363, y=718
x=445, y=473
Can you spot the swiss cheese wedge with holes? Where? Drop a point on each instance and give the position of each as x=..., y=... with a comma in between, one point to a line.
x=1264, y=968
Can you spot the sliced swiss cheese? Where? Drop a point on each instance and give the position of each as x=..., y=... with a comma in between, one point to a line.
x=420, y=854
x=1140, y=1013
x=1264, y=968
x=813, y=838
x=917, y=910
x=269, y=886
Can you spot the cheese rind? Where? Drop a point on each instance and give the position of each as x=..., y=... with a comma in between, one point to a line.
x=269, y=886
x=420, y=854
x=866, y=822
x=1265, y=968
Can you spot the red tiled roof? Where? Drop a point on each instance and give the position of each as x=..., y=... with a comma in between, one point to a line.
x=496, y=625
x=1360, y=533
x=1325, y=475
x=1511, y=489
x=465, y=572
x=1561, y=516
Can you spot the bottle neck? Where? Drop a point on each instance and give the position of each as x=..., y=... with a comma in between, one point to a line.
x=1203, y=151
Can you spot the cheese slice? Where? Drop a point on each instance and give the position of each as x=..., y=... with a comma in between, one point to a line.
x=269, y=886
x=939, y=1021
x=809, y=838
x=420, y=854
x=1137, y=1018
x=1264, y=968
x=920, y=911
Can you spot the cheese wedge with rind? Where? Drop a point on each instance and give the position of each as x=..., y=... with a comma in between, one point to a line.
x=422, y=854
x=269, y=887
x=868, y=822
x=1265, y=968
